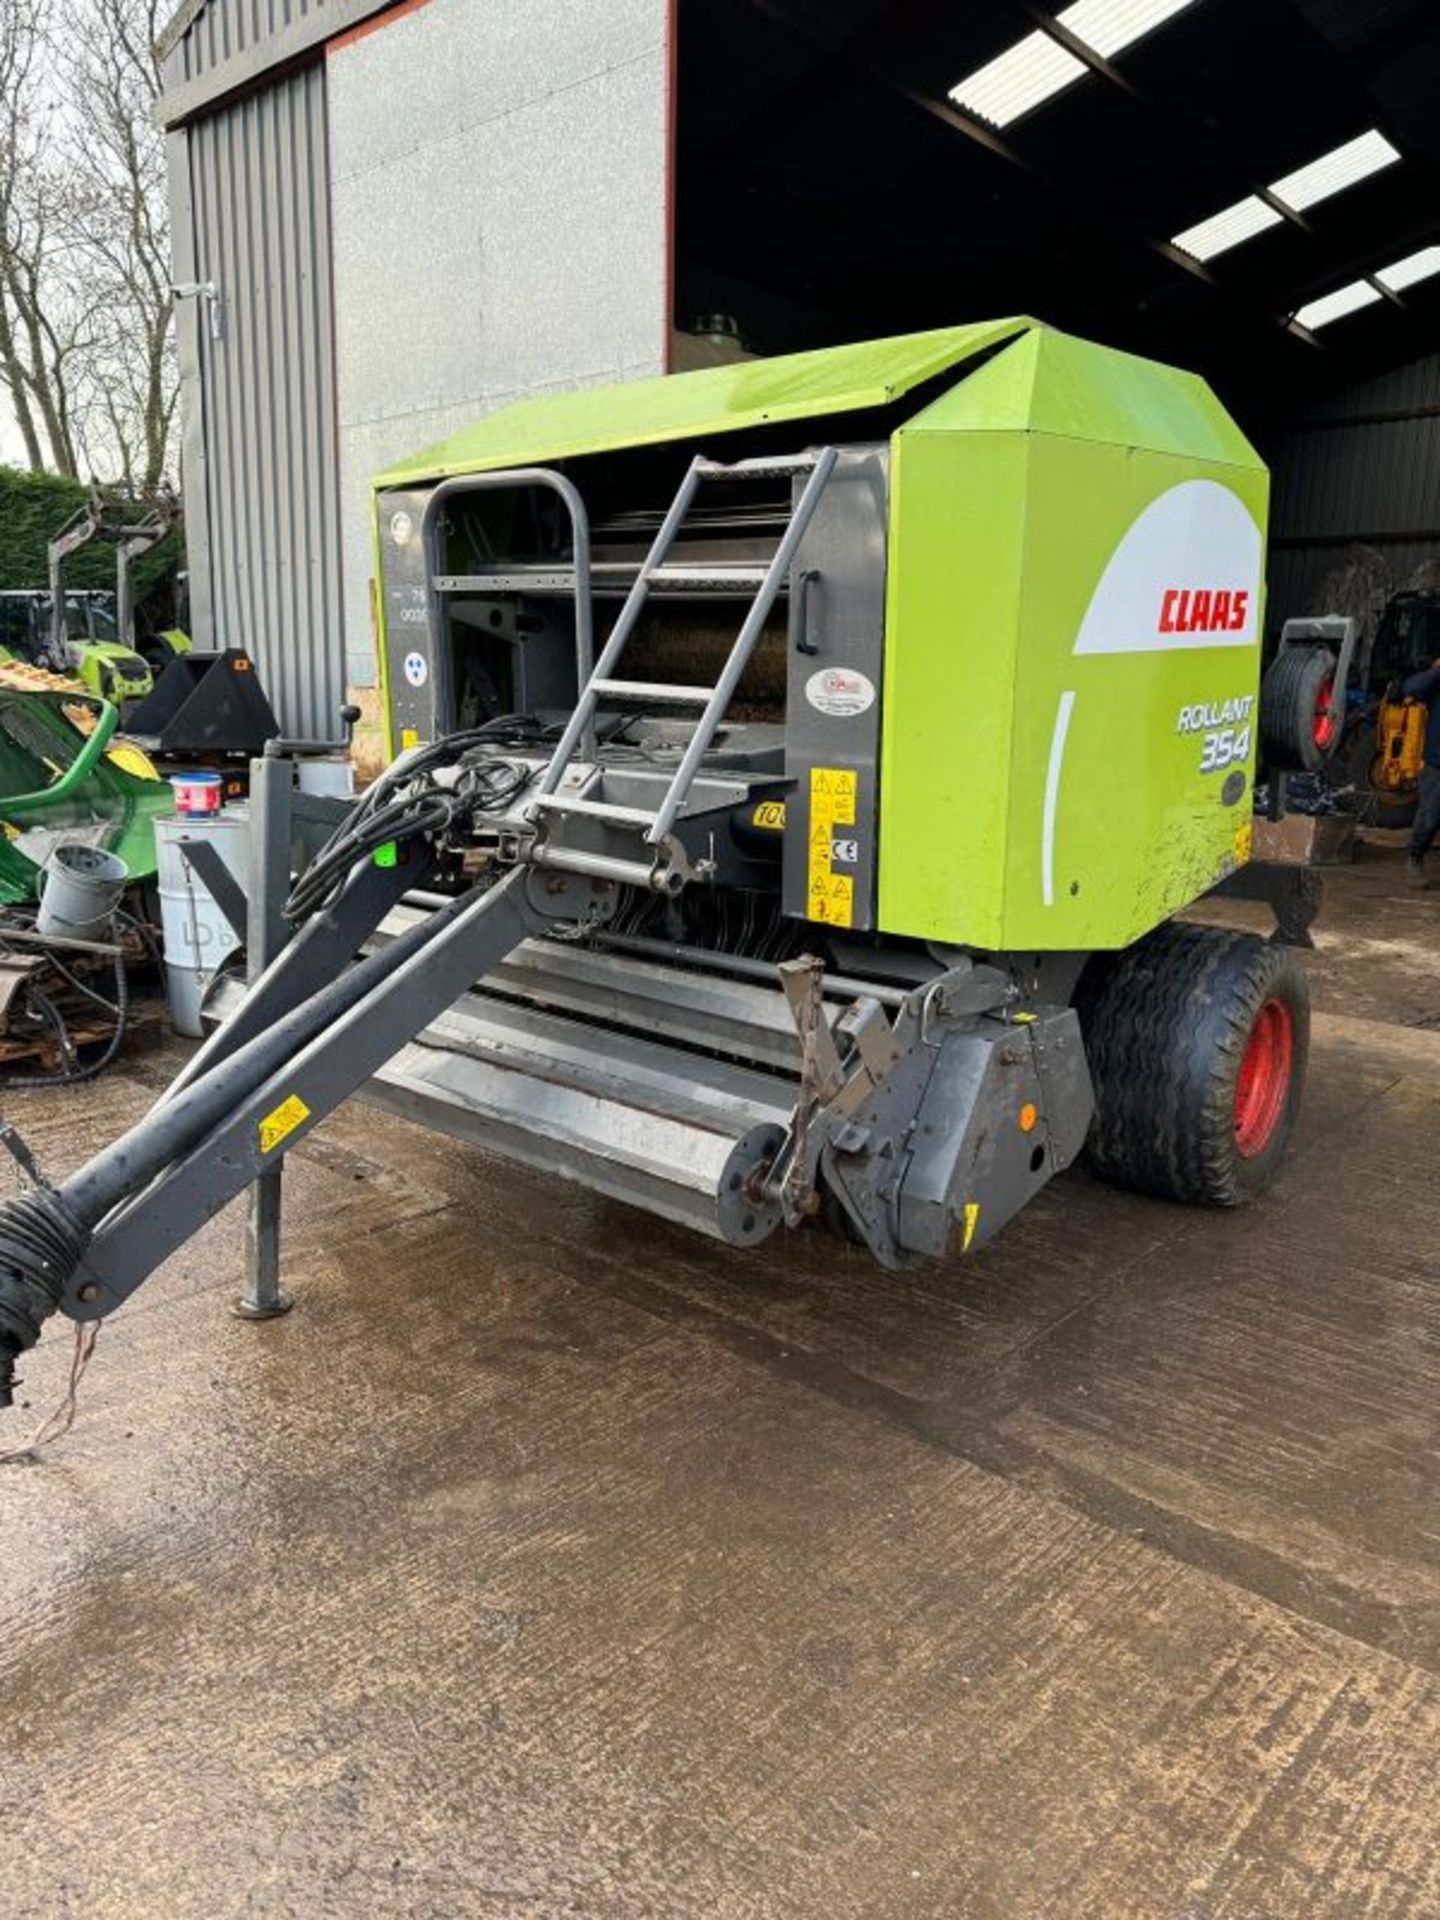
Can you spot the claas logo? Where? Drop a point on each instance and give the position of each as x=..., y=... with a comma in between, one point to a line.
x=1199, y=610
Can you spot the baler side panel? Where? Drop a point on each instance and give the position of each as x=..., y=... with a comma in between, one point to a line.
x=410, y=666
x=957, y=529
x=1133, y=757
x=834, y=708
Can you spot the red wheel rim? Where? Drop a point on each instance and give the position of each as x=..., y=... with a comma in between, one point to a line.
x=1323, y=724
x=1264, y=1083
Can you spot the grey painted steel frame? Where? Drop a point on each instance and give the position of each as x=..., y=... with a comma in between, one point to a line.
x=267, y=935
x=227, y=1155
x=509, y=479
x=839, y=621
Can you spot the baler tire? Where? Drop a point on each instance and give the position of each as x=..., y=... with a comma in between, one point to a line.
x=1170, y=1025
x=1299, y=727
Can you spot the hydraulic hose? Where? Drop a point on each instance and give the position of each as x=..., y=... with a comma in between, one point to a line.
x=41, y=1247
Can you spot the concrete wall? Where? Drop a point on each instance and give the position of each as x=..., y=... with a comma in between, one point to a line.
x=498, y=215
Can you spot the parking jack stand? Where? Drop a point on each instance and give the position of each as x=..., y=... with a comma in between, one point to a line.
x=271, y=779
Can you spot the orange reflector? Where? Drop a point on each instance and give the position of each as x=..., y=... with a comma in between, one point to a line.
x=1029, y=1114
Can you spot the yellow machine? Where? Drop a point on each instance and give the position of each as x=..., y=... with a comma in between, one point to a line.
x=1400, y=732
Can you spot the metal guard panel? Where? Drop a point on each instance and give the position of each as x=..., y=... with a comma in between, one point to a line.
x=686, y=406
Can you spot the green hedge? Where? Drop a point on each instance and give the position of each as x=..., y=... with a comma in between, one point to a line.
x=34, y=507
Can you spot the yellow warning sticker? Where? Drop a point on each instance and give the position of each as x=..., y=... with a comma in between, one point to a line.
x=1244, y=840
x=972, y=1220
x=280, y=1124
x=830, y=896
x=770, y=814
x=833, y=790
x=408, y=738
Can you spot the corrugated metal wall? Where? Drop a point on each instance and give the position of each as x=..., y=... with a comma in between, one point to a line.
x=261, y=493
x=224, y=28
x=1362, y=468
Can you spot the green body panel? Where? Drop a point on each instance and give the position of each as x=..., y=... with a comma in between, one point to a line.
x=751, y=393
x=41, y=753
x=1067, y=755
x=957, y=547
x=110, y=671
x=1049, y=382
x=1033, y=794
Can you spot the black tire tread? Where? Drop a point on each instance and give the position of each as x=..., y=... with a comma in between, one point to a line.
x=1287, y=708
x=1166, y=1024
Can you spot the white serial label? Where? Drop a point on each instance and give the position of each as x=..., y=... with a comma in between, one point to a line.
x=417, y=669
x=840, y=691
x=1186, y=575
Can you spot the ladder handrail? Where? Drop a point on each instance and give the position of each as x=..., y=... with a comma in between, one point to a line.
x=744, y=646
x=570, y=496
x=819, y=464
x=580, y=720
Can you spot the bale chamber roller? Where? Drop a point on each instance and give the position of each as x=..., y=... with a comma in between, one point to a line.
x=797, y=768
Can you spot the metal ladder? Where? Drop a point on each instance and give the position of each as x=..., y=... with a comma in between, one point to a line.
x=819, y=464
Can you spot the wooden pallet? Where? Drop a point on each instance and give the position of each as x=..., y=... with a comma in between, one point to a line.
x=20, y=677
x=35, y=1049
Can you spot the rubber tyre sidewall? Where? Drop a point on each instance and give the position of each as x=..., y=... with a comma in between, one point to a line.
x=1166, y=1024
x=1289, y=696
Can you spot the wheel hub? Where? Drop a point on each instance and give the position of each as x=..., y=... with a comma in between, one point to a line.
x=1323, y=723
x=1263, y=1085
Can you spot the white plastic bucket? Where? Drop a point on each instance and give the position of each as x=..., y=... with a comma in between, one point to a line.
x=197, y=793
x=198, y=937
x=82, y=888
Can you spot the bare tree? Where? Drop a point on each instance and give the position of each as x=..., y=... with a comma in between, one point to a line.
x=117, y=230
x=42, y=319
x=86, y=348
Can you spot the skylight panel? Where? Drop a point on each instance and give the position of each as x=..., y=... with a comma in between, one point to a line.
x=1415, y=266
x=1335, y=306
x=1334, y=171
x=1109, y=26
x=1037, y=67
x=1227, y=229
x=1018, y=79
x=1343, y=167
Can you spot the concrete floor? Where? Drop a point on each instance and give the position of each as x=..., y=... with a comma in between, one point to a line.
x=549, y=1561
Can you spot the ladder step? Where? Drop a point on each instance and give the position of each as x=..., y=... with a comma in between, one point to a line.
x=712, y=579
x=595, y=809
x=604, y=866
x=760, y=468
x=651, y=693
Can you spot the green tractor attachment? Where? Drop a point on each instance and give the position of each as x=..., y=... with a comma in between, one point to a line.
x=64, y=777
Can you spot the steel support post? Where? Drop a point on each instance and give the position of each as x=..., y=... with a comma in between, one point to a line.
x=271, y=784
